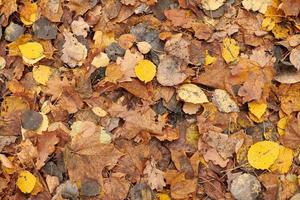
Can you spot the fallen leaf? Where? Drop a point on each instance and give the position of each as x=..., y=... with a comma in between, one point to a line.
x=144, y=47
x=100, y=60
x=28, y=13
x=41, y=74
x=154, y=176
x=281, y=125
x=295, y=58
x=284, y=160
x=291, y=138
x=145, y=70
x=208, y=60
x=73, y=52
x=31, y=52
x=52, y=183
x=192, y=94
x=262, y=155
x=46, y=146
x=212, y=4
x=51, y=9
x=253, y=5
x=80, y=27
x=290, y=7
x=257, y=109
x=26, y=181
x=177, y=17
x=224, y=102
x=170, y=66
x=230, y=50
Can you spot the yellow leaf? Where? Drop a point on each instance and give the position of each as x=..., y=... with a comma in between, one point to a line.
x=257, y=109
x=284, y=160
x=280, y=32
x=209, y=59
x=41, y=74
x=268, y=24
x=28, y=13
x=26, y=181
x=31, y=52
x=281, y=124
x=99, y=111
x=13, y=47
x=230, y=50
x=192, y=94
x=162, y=196
x=12, y=103
x=262, y=155
x=100, y=60
x=44, y=125
x=192, y=135
x=103, y=40
x=145, y=70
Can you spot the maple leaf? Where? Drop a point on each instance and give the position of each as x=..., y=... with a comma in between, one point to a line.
x=86, y=156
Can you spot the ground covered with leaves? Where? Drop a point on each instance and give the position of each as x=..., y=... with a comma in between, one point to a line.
x=149, y=99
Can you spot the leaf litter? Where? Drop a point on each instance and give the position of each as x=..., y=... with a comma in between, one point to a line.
x=154, y=99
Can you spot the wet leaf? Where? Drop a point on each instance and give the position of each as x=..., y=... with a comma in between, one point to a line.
x=31, y=120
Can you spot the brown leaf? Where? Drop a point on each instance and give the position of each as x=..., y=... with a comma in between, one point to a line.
x=170, y=66
x=178, y=46
x=138, y=89
x=86, y=157
x=202, y=31
x=288, y=77
x=295, y=58
x=28, y=152
x=134, y=160
x=177, y=17
x=291, y=7
x=115, y=188
x=80, y=6
x=46, y=146
x=271, y=183
x=51, y=9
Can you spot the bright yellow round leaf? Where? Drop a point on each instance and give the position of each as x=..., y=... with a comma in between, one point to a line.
x=26, y=181
x=32, y=50
x=145, y=70
x=262, y=155
x=284, y=160
x=41, y=74
x=230, y=50
x=257, y=109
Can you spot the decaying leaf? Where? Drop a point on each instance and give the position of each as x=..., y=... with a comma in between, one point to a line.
x=224, y=102
x=295, y=58
x=230, y=50
x=260, y=6
x=73, y=51
x=191, y=93
x=211, y=4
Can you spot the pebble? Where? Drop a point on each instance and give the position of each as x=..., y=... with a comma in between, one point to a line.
x=245, y=187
